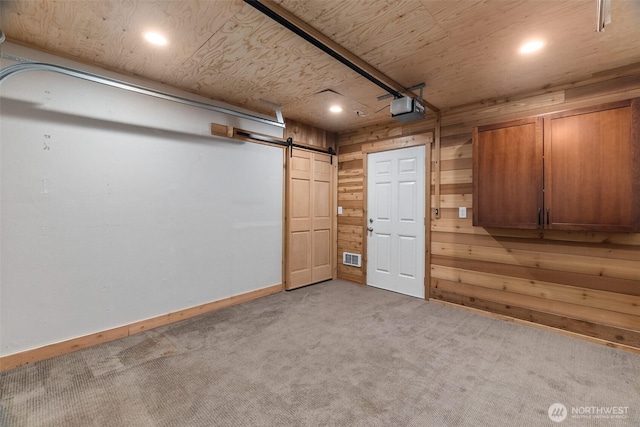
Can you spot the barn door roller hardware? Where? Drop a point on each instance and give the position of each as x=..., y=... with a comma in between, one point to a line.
x=244, y=135
x=328, y=46
x=293, y=145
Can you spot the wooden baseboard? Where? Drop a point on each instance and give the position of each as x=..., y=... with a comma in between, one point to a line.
x=538, y=326
x=46, y=352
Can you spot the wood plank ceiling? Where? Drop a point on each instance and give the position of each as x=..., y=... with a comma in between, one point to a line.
x=465, y=51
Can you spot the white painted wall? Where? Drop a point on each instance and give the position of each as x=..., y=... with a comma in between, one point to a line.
x=116, y=207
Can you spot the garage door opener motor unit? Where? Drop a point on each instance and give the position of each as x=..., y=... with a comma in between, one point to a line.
x=407, y=109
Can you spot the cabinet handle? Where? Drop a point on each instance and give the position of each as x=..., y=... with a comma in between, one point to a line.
x=548, y=222
x=540, y=216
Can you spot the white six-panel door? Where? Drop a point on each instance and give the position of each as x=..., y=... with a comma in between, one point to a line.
x=395, y=220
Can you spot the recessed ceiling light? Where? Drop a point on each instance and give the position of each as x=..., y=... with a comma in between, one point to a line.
x=531, y=46
x=155, y=38
x=335, y=109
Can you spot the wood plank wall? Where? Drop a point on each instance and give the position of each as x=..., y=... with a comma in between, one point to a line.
x=309, y=135
x=351, y=198
x=583, y=282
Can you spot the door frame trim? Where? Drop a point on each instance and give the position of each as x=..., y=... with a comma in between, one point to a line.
x=425, y=139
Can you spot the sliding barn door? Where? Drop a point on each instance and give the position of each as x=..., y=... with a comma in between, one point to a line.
x=310, y=218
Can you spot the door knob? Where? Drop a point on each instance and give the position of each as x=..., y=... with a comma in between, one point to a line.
x=370, y=229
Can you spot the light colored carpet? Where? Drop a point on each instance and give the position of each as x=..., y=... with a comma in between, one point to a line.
x=332, y=354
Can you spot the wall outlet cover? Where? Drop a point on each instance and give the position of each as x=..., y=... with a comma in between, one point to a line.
x=462, y=212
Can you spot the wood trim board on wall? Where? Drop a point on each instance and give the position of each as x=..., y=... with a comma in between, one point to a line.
x=68, y=346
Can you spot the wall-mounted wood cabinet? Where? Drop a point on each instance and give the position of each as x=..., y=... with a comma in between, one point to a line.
x=507, y=180
x=573, y=170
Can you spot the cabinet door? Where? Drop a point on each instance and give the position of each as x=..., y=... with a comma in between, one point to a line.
x=592, y=168
x=507, y=174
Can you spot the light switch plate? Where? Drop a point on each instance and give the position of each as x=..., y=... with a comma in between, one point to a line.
x=462, y=212
x=339, y=210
